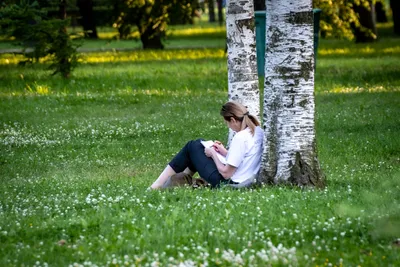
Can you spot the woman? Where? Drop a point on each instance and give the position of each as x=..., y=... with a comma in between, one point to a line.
x=243, y=159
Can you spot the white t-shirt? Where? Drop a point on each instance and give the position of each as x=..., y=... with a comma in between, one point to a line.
x=245, y=154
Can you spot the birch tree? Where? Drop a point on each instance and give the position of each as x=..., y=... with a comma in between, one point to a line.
x=290, y=155
x=241, y=49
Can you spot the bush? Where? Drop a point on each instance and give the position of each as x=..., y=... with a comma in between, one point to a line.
x=31, y=27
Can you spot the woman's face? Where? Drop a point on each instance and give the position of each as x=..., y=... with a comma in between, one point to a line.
x=233, y=124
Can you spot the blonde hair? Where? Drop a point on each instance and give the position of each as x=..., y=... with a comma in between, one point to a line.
x=239, y=112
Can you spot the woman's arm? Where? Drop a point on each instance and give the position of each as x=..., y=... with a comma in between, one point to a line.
x=225, y=170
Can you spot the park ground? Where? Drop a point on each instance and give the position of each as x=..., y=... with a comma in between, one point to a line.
x=77, y=155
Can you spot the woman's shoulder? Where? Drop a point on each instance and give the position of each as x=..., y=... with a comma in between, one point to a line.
x=259, y=130
x=258, y=134
x=246, y=133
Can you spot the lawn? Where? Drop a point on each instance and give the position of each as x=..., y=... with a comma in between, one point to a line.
x=77, y=155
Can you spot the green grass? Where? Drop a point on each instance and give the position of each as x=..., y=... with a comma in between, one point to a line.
x=77, y=156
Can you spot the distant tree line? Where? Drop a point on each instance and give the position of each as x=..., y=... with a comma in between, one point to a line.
x=47, y=21
x=342, y=18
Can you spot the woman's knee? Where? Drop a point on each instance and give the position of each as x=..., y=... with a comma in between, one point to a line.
x=194, y=144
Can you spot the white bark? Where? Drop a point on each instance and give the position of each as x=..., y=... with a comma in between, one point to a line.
x=289, y=144
x=242, y=59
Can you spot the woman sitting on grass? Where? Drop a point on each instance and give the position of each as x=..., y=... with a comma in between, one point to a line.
x=243, y=159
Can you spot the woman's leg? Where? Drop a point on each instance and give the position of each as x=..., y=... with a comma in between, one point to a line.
x=168, y=171
x=192, y=158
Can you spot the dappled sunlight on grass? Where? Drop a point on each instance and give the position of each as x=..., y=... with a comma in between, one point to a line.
x=198, y=31
x=10, y=59
x=371, y=89
x=171, y=32
x=355, y=51
x=133, y=56
x=45, y=90
x=115, y=35
x=38, y=89
x=152, y=55
x=392, y=50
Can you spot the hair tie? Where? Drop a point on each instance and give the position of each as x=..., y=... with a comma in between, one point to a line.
x=247, y=113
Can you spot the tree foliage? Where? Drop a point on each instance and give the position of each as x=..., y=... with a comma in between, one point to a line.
x=32, y=29
x=339, y=18
x=151, y=18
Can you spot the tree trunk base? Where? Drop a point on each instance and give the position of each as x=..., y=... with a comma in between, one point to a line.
x=302, y=174
x=154, y=43
x=151, y=40
x=367, y=20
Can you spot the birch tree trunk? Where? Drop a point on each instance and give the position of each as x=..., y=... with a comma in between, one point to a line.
x=242, y=61
x=290, y=155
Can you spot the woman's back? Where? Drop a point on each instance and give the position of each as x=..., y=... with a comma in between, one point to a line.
x=245, y=153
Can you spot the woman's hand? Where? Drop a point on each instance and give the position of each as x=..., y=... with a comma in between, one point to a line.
x=209, y=151
x=219, y=147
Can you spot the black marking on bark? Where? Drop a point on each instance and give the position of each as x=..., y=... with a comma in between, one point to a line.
x=242, y=23
x=242, y=77
x=233, y=8
x=306, y=69
x=291, y=104
x=275, y=37
x=303, y=103
x=305, y=17
x=283, y=71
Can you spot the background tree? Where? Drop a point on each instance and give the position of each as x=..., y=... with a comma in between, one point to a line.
x=150, y=18
x=87, y=18
x=241, y=48
x=366, y=32
x=211, y=10
x=380, y=11
x=340, y=19
x=30, y=26
x=290, y=155
x=395, y=6
x=183, y=12
x=220, y=12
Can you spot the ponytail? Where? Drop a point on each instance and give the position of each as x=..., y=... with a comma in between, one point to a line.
x=240, y=113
